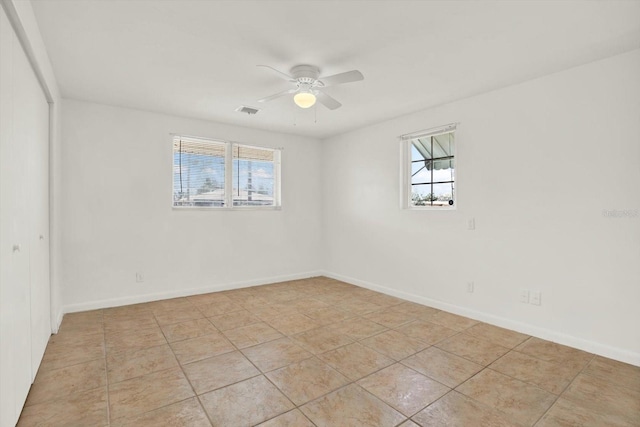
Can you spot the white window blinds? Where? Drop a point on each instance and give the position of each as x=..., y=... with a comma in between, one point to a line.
x=198, y=172
x=217, y=174
x=253, y=176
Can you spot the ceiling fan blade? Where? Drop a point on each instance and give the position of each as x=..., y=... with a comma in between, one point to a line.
x=277, y=95
x=278, y=73
x=338, y=79
x=328, y=101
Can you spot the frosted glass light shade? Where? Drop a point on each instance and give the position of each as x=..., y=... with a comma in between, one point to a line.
x=304, y=99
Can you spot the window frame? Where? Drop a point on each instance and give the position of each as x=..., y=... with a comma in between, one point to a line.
x=406, y=163
x=228, y=176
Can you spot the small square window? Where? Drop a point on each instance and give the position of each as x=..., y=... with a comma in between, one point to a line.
x=430, y=170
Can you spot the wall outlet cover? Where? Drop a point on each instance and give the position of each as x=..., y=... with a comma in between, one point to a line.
x=536, y=298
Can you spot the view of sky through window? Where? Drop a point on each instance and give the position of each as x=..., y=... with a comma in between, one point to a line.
x=199, y=175
x=433, y=171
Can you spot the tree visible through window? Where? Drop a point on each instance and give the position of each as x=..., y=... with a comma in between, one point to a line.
x=200, y=174
x=433, y=170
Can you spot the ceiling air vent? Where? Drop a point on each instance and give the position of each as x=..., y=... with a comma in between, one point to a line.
x=247, y=110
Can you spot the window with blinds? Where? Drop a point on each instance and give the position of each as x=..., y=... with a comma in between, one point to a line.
x=253, y=176
x=219, y=174
x=198, y=172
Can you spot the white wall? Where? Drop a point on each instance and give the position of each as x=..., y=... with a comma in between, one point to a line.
x=537, y=165
x=117, y=217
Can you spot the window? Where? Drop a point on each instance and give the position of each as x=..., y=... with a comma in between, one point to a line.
x=429, y=167
x=219, y=174
x=198, y=172
x=253, y=176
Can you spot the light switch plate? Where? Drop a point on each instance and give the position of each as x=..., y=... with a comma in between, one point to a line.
x=535, y=298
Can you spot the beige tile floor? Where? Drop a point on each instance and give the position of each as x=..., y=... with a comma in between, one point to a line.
x=316, y=352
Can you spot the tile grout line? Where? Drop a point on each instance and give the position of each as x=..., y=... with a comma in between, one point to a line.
x=106, y=368
x=449, y=389
x=286, y=412
x=60, y=398
x=44, y=368
x=261, y=373
x=528, y=382
x=432, y=403
x=514, y=349
x=604, y=379
x=504, y=415
x=565, y=389
x=350, y=381
x=185, y=376
x=384, y=403
x=303, y=292
x=73, y=364
x=161, y=370
x=292, y=339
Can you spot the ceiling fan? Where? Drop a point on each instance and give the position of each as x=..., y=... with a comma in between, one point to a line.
x=309, y=85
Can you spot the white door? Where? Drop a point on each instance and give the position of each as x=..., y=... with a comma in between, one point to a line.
x=15, y=292
x=24, y=213
x=36, y=129
x=8, y=236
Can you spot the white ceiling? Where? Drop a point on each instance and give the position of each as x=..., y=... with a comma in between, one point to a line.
x=198, y=58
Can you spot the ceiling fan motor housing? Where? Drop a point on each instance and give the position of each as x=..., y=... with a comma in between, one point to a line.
x=305, y=73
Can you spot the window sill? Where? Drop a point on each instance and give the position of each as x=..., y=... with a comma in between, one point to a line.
x=429, y=208
x=234, y=208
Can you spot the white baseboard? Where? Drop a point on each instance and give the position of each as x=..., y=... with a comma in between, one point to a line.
x=135, y=299
x=57, y=321
x=542, y=333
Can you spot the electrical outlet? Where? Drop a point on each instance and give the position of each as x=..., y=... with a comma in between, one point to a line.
x=471, y=224
x=139, y=277
x=524, y=296
x=470, y=287
x=536, y=298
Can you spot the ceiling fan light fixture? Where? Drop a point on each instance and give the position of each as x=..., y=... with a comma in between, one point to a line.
x=309, y=84
x=304, y=99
